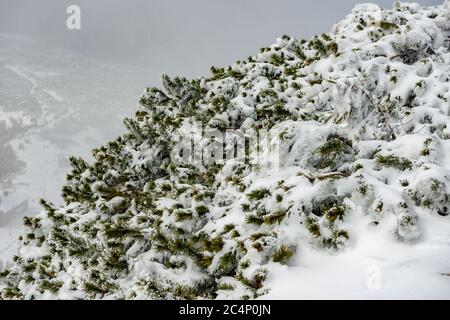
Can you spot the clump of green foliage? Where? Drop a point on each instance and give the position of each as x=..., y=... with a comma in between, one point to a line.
x=329, y=154
x=282, y=254
x=258, y=194
x=393, y=161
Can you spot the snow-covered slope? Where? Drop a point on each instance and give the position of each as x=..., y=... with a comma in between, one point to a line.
x=53, y=104
x=341, y=191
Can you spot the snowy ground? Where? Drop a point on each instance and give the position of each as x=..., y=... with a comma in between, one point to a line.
x=53, y=104
x=374, y=266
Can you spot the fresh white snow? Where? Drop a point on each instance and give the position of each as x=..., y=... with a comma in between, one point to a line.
x=359, y=191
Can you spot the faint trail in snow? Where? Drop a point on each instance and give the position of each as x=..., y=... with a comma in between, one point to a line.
x=42, y=95
x=54, y=95
x=54, y=109
x=19, y=71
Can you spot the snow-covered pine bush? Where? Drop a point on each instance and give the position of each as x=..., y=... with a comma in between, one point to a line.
x=362, y=118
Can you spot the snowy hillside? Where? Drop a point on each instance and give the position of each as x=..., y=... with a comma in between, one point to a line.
x=53, y=104
x=314, y=169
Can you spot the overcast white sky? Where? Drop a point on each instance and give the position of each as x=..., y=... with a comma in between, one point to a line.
x=174, y=36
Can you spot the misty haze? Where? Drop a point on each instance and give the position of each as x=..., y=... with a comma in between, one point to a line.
x=65, y=92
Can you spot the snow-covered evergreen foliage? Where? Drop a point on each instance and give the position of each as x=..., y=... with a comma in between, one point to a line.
x=362, y=118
